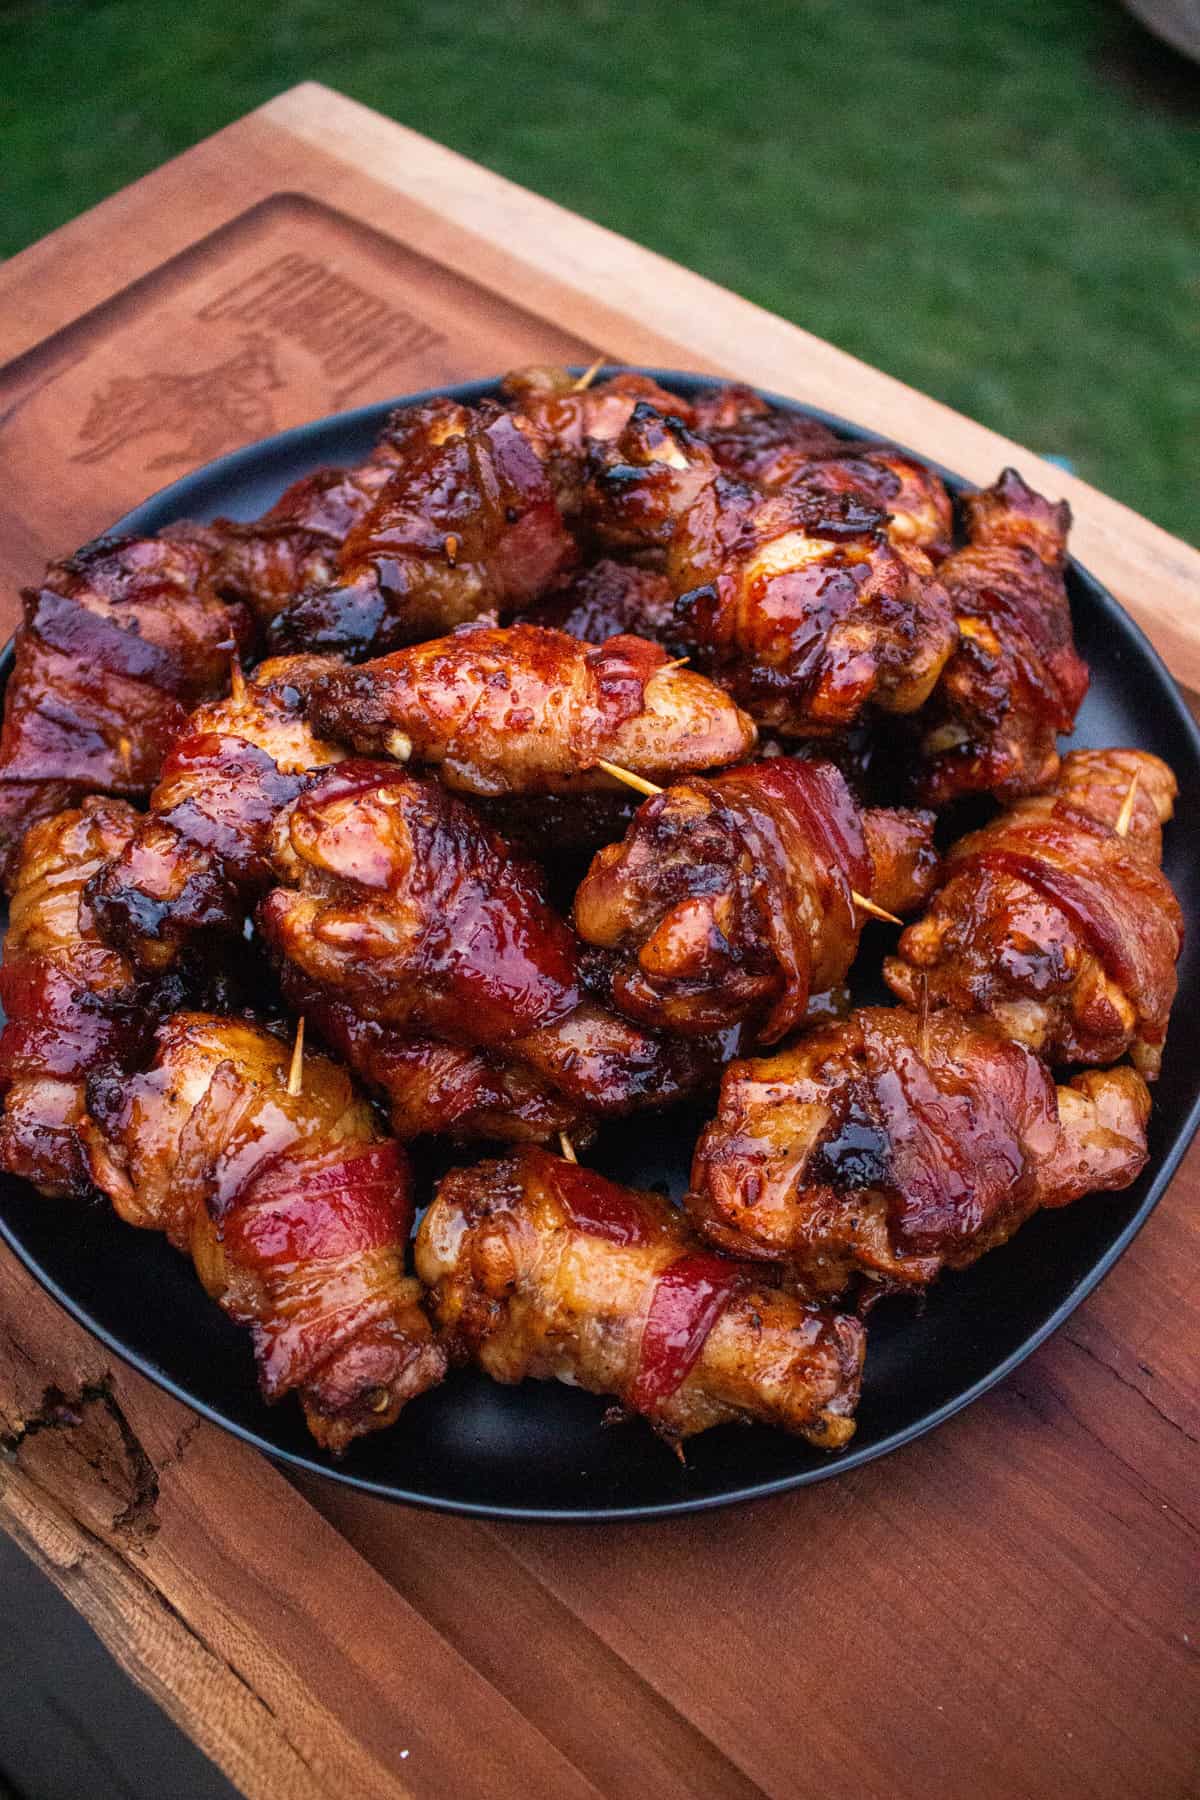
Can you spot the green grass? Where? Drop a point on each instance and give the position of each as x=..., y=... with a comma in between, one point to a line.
x=999, y=203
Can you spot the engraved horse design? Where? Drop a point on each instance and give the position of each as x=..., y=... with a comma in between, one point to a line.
x=206, y=413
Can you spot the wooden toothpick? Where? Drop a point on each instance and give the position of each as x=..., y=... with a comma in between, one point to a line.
x=567, y=1147
x=1125, y=816
x=862, y=904
x=237, y=680
x=295, y=1080
x=588, y=376
x=638, y=783
x=641, y=786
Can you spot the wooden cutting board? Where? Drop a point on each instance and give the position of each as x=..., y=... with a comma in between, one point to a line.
x=1006, y=1608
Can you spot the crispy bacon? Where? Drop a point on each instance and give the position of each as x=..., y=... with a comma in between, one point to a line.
x=293, y=1206
x=541, y=1270
x=888, y=1146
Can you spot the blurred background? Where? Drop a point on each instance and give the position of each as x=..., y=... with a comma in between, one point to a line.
x=999, y=204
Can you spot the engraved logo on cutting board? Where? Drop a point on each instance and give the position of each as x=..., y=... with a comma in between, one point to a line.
x=291, y=311
x=204, y=413
x=352, y=334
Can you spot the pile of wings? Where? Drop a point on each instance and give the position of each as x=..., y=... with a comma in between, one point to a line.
x=544, y=769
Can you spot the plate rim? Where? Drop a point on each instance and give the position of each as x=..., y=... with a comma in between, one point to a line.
x=230, y=465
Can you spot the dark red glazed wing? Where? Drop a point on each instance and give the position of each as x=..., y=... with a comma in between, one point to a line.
x=399, y=902
x=1065, y=933
x=196, y=864
x=116, y=647
x=71, y=1004
x=527, y=710
x=466, y=524
x=1016, y=680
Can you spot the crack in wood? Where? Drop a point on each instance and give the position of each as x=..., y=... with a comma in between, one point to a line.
x=138, y=1518
x=74, y=1576
x=1141, y=1483
x=1112, y=1369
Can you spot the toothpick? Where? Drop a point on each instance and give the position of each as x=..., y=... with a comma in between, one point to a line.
x=295, y=1080
x=677, y=664
x=638, y=783
x=588, y=376
x=641, y=786
x=1125, y=816
x=237, y=680
x=125, y=752
x=862, y=904
x=567, y=1147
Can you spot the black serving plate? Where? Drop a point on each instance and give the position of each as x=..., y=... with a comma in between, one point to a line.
x=541, y=1451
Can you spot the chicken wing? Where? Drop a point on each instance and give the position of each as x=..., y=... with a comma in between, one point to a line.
x=1064, y=932
x=467, y=523
x=268, y=562
x=398, y=901
x=643, y=483
x=527, y=710
x=433, y=1088
x=71, y=1003
x=568, y=418
x=293, y=1206
x=1016, y=680
x=889, y=1146
x=911, y=498
x=117, y=645
x=197, y=862
x=803, y=608
x=538, y=1268
x=730, y=900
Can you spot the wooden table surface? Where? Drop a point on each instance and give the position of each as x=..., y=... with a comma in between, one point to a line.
x=1006, y=1608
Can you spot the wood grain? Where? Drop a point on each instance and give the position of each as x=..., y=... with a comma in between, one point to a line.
x=1008, y=1607
x=295, y=1665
